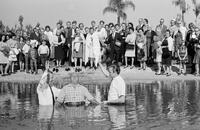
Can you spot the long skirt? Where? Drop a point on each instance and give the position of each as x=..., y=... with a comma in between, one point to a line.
x=59, y=52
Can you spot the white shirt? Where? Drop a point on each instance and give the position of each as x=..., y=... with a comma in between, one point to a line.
x=183, y=31
x=170, y=43
x=26, y=48
x=43, y=49
x=45, y=95
x=50, y=36
x=130, y=39
x=117, y=88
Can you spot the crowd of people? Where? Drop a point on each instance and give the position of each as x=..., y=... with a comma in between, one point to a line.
x=77, y=46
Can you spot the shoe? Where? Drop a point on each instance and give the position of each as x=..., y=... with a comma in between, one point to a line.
x=132, y=67
x=57, y=70
x=125, y=67
x=67, y=69
x=54, y=69
x=157, y=73
x=36, y=73
x=139, y=68
x=168, y=74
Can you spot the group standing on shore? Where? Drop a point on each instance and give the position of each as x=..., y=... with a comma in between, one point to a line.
x=77, y=46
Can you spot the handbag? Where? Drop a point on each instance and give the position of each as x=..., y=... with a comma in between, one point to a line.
x=130, y=46
x=118, y=43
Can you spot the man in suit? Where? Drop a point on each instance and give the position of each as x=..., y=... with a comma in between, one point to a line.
x=115, y=41
x=68, y=42
x=162, y=27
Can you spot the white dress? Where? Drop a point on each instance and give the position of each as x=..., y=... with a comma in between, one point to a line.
x=89, y=53
x=3, y=58
x=96, y=47
x=159, y=52
x=130, y=39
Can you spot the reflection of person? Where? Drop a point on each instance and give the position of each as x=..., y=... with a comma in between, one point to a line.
x=117, y=116
x=116, y=93
x=46, y=95
x=75, y=94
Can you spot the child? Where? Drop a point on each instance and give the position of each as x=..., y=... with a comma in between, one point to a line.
x=43, y=52
x=182, y=55
x=159, y=57
x=25, y=50
x=33, y=58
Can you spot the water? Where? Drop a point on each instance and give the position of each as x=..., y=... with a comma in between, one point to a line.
x=159, y=105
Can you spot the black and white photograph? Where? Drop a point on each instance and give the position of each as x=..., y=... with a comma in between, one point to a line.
x=99, y=64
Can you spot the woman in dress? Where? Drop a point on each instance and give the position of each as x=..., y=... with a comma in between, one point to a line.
x=21, y=56
x=4, y=53
x=142, y=49
x=196, y=60
x=166, y=56
x=130, y=48
x=59, y=52
x=78, y=48
x=89, y=53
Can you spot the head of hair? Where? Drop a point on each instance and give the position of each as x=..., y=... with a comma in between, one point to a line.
x=131, y=28
x=101, y=21
x=74, y=22
x=146, y=20
x=115, y=68
x=47, y=27
x=130, y=24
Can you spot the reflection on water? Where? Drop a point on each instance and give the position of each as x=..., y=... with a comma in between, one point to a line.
x=150, y=106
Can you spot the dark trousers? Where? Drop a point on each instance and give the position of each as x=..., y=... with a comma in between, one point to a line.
x=115, y=54
x=43, y=58
x=33, y=62
x=26, y=62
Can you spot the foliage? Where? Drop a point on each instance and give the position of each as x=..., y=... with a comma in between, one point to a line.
x=118, y=7
x=21, y=19
x=196, y=8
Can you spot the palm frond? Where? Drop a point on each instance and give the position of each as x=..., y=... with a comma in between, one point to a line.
x=194, y=2
x=128, y=3
x=122, y=14
x=109, y=9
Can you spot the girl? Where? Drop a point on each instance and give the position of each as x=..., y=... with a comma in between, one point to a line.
x=141, y=51
x=78, y=48
x=21, y=56
x=158, y=54
x=182, y=55
x=4, y=52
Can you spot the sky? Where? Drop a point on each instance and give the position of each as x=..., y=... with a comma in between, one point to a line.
x=48, y=12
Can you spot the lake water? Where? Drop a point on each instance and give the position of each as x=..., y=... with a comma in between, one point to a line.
x=157, y=105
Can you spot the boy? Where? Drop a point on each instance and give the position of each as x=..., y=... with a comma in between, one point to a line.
x=43, y=52
x=33, y=58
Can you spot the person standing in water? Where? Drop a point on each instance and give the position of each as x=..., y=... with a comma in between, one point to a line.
x=116, y=94
x=75, y=94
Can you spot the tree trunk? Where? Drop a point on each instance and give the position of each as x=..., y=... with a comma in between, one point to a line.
x=118, y=20
x=183, y=18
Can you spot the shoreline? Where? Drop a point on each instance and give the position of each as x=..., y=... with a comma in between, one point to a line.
x=97, y=77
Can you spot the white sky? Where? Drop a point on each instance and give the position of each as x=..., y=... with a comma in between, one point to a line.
x=48, y=12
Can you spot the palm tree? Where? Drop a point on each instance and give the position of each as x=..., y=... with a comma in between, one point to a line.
x=118, y=7
x=196, y=9
x=183, y=7
x=21, y=19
